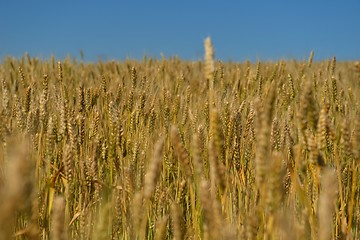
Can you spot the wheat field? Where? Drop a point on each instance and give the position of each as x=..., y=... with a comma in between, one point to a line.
x=174, y=149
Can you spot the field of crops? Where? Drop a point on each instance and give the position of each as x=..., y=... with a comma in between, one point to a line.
x=173, y=149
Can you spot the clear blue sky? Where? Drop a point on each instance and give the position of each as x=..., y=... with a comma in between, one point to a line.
x=240, y=30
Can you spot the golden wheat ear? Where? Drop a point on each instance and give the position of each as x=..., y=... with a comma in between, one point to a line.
x=153, y=173
x=209, y=59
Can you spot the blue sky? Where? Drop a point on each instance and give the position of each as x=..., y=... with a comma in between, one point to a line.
x=240, y=30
